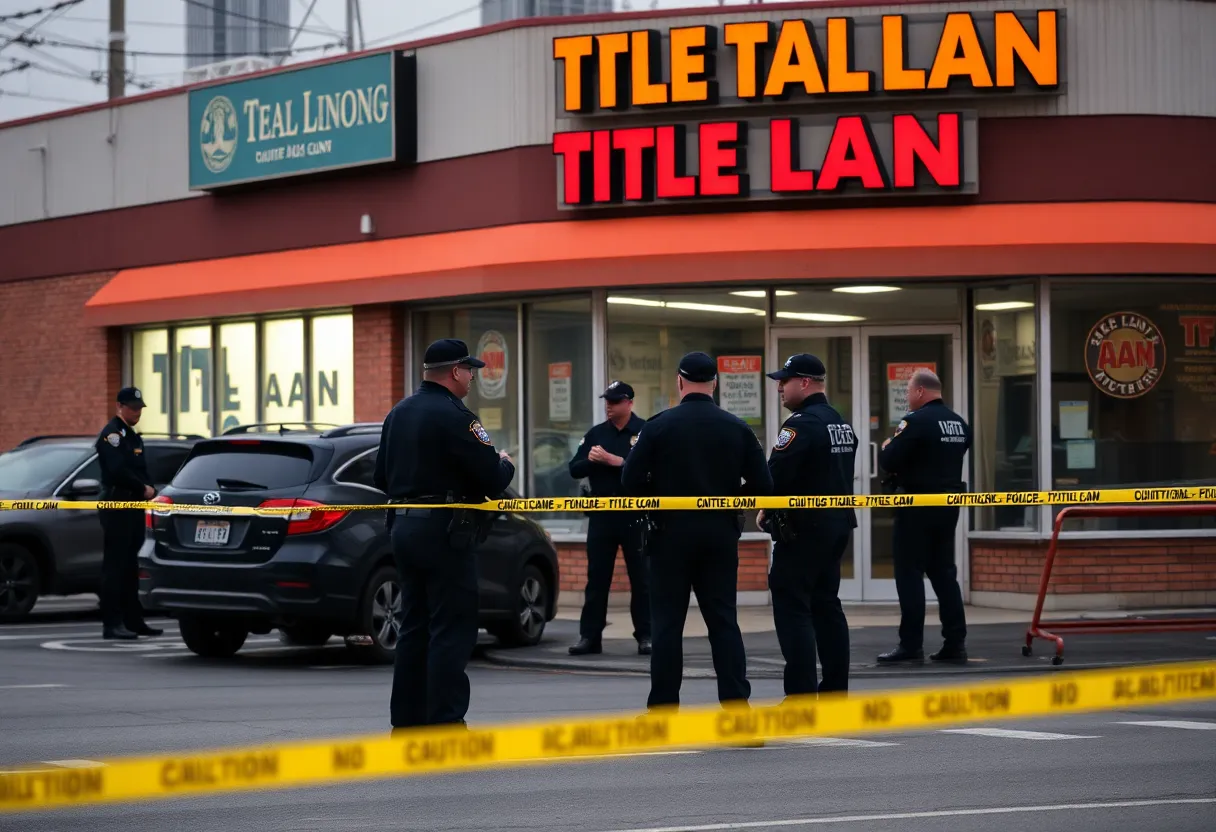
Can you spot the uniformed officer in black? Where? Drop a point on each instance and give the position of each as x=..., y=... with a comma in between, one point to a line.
x=696, y=449
x=599, y=458
x=813, y=456
x=124, y=478
x=925, y=456
x=433, y=449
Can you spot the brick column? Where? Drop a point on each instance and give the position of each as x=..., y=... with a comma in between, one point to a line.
x=379, y=360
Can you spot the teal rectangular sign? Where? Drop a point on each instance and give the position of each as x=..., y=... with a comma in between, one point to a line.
x=337, y=115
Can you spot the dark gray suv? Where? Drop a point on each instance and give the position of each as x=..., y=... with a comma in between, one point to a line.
x=59, y=552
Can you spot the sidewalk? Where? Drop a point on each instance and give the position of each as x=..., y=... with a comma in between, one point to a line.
x=994, y=644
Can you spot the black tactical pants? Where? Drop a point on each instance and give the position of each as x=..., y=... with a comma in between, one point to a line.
x=924, y=547
x=122, y=536
x=704, y=560
x=607, y=532
x=439, y=601
x=805, y=584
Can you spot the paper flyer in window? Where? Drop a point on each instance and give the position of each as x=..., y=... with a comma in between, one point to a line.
x=897, y=387
x=560, y=374
x=739, y=385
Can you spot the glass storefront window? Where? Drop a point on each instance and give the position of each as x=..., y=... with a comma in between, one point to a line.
x=192, y=397
x=865, y=303
x=492, y=334
x=333, y=369
x=1133, y=387
x=1005, y=453
x=150, y=373
x=238, y=360
x=559, y=401
x=648, y=333
x=283, y=396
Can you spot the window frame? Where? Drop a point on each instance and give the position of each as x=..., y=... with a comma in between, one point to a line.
x=215, y=324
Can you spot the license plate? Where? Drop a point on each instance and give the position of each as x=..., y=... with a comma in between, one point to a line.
x=211, y=532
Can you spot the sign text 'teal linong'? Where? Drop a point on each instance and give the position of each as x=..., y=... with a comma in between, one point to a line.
x=792, y=62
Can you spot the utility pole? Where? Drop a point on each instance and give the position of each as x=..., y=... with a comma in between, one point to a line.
x=117, y=75
x=350, y=25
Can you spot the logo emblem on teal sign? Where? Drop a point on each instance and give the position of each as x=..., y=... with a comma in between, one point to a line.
x=219, y=134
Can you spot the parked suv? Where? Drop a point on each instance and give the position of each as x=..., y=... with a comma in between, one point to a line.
x=313, y=574
x=59, y=552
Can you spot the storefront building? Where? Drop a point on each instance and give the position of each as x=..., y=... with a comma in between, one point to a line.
x=1020, y=196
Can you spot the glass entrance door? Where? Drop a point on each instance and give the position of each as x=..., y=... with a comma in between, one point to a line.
x=868, y=369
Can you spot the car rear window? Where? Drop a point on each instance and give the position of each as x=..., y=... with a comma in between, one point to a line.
x=269, y=465
x=38, y=466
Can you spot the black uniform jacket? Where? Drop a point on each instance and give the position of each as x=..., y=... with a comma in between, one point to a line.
x=605, y=480
x=926, y=453
x=697, y=449
x=814, y=456
x=431, y=444
x=124, y=471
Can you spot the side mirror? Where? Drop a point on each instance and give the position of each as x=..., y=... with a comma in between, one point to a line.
x=84, y=488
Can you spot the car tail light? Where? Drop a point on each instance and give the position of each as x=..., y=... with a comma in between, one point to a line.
x=305, y=521
x=149, y=512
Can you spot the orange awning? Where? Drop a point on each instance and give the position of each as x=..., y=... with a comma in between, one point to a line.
x=1093, y=238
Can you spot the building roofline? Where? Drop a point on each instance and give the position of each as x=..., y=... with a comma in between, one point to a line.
x=468, y=34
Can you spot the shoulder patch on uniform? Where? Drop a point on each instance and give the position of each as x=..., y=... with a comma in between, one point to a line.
x=113, y=439
x=903, y=423
x=633, y=440
x=482, y=435
x=784, y=437
x=581, y=441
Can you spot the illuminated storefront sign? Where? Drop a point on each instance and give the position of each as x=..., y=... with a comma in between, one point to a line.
x=895, y=58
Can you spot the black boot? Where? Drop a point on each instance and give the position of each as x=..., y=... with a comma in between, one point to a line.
x=585, y=646
x=142, y=629
x=120, y=632
x=644, y=648
x=899, y=654
x=953, y=653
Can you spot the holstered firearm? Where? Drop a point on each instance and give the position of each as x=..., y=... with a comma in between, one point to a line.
x=469, y=527
x=780, y=526
x=646, y=527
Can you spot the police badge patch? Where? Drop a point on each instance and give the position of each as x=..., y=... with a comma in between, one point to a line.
x=113, y=439
x=903, y=423
x=784, y=437
x=482, y=436
x=633, y=440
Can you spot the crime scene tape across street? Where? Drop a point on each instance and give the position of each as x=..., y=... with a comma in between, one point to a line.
x=1193, y=494
x=435, y=750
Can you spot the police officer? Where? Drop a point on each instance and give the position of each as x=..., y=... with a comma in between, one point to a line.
x=124, y=478
x=599, y=458
x=813, y=456
x=925, y=456
x=433, y=449
x=696, y=449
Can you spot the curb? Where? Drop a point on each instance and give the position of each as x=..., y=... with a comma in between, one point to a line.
x=503, y=658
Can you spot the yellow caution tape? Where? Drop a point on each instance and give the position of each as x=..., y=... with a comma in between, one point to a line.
x=548, y=504
x=433, y=750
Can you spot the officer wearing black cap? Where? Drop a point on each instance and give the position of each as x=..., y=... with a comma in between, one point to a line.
x=814, y=456
x=925, y=456
x=124, y=478
x=433, y=449
x=599, y=458
x=696, y=449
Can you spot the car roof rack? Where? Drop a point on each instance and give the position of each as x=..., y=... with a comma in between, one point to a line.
x=283, y=427
x=173, y=435
x=354, y=429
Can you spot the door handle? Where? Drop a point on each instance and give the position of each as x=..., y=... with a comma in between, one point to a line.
x=873, y=459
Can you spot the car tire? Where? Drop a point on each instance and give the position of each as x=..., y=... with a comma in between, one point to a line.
x=527, y=625
x=379, y=617
x=19, y=582
x=212, y=638
x=304, y=635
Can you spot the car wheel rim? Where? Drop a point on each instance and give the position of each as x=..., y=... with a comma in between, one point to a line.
x=16, y=583
x=532, y=607
x=386, y=614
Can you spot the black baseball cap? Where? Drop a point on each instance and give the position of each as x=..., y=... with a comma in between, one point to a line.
x=131, y=397
x=617, y=391
x=698, y=367
x=449, y=351
x=802, y=365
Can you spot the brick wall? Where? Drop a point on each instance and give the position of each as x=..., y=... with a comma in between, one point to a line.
x=1096, y=566
x=572, y=560
x=379, y=352
x=58, y=375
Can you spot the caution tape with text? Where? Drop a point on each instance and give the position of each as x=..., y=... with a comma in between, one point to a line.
x=548, y=504
x=431, y=750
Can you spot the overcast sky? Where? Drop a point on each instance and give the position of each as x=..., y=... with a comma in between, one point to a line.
x=70, y=71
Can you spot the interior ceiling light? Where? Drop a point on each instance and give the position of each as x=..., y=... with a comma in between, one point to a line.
x=635, y=301
x=694, y=307
x=865, y=290
x=1003, y=305
x=760, y=293
x=824, y=317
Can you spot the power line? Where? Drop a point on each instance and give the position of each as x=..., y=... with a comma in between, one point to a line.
x=413, y=29
x=33, y=97
x=66, y=4
x=15, y=68
x=26, y=40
